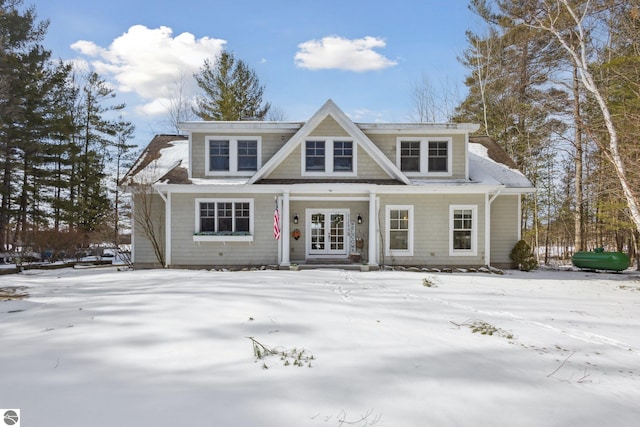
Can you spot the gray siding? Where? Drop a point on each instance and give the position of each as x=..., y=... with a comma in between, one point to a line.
x=271, y=143
x=291, y=168
x=147, y=206
x=329, y=127
x=388, y=143
x=505, y=221
x=431, y=229
x=263, y=250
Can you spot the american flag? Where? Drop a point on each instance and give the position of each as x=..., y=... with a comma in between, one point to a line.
x=276, y=223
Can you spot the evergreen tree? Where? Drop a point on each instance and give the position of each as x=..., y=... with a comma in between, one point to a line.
x=230, y=91
x=96, y=134
x=22, y=63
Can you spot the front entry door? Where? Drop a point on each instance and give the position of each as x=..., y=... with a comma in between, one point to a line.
x=327, y=233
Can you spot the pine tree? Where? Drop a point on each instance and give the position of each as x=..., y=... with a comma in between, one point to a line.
x=230, y=91
x=22, y=63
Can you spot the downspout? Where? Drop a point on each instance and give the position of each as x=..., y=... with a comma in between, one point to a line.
x=487, y=223
x=167, y=226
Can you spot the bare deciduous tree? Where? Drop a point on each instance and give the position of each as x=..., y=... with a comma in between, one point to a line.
x=574, y=38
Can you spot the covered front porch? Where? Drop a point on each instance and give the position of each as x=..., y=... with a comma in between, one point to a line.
x=318, y=230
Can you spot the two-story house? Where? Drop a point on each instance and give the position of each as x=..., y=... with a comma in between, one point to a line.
x=336, y=191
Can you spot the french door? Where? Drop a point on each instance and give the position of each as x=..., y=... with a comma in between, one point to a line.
x=327, y=232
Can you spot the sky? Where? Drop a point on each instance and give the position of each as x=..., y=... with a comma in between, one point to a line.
x=365, y=55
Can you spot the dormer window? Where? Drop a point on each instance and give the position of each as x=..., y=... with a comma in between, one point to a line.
x=343, y=156
x=315, y=156
x=424, y=156
x=239, y=156
x=328, y=156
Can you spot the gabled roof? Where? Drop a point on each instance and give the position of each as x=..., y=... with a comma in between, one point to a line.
x=331, y=109
x=165, y=159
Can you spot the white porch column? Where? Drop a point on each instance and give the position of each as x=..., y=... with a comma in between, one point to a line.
x=373, y=230
x=285, y=233
x=167, y=227
x=487, y=229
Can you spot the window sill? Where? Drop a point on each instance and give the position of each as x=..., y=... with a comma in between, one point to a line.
x=398, y=253
x=461, y=252
x=221, y=238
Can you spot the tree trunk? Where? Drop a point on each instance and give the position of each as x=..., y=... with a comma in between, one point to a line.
x=579, y=208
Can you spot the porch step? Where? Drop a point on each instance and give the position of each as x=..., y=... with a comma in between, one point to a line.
x=328, y=261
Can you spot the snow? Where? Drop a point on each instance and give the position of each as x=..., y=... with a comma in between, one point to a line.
x=485, y=170
x=177, y=153
x=102, y=347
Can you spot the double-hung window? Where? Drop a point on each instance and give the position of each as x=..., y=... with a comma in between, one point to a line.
x=342, y=156
x=438, y=156
x=247, y=155
x=410, y=156
x=315, y=156
x=329, y=156
x=239, y=156
x=219, y=155
x=221, y=219
x=399, y=227
x=425, y=156
x=463, y=229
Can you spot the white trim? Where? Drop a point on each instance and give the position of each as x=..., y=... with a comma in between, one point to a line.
x=285, y=216
x=331, y=109
x=233, y=154
x=337, y=188
x=487, y=226
x=373, y=229
x=474, y=231
x=519, y=217
x=167, y=225
x=219, y=237
x=411, y=128
x=424, y=155
x=466, y=156
x=239, y=126
x=190, y=169
x=329, y=199
x=329, y=142
x=395, y=252
x=328, y=253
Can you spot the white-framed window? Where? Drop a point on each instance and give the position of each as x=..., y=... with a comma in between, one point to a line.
x=463, y=230
x=429, y=156
x=399, y=230
x=329, y=156
x=233, y=155
x=223, y=220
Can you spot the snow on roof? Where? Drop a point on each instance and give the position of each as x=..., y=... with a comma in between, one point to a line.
x=163, y=154
x=482, y=168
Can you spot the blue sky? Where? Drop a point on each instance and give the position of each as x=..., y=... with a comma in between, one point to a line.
x=365, y=55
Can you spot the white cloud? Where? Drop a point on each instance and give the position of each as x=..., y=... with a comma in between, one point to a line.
x=149, y=61
x=335, y=52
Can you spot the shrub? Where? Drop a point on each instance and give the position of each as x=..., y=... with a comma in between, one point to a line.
x=523, y=257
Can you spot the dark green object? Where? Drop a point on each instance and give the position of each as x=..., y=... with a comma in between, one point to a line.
x=601, y=260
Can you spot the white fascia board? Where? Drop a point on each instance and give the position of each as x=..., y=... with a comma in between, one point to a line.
x=302, y=132
x=421, y=128
x=321, y=188
x=240, y=126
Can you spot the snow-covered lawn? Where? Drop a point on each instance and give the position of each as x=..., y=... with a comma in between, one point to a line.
x=160, y=348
